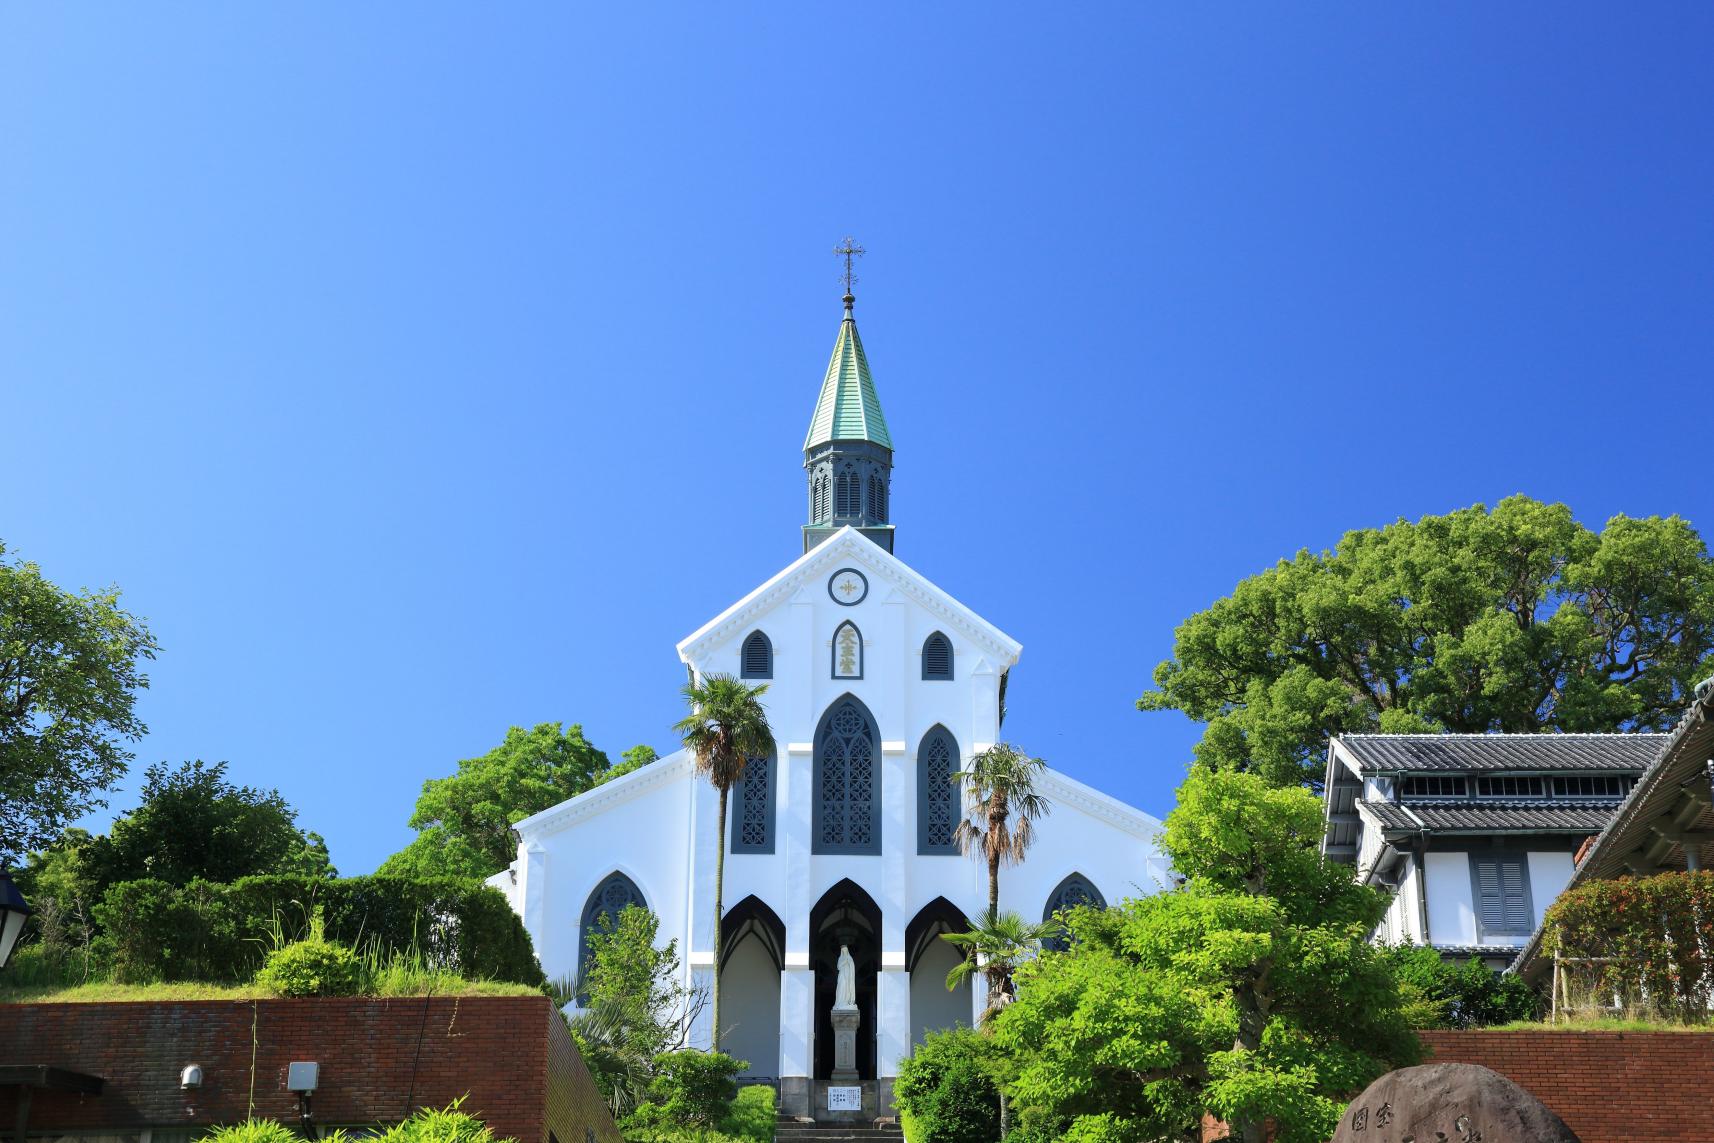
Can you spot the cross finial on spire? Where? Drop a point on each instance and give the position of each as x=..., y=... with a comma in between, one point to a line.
x=848, y=249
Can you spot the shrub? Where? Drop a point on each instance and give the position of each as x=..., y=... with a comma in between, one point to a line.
x=253, y=1131
x=312, y=968
x=1650, y=936
x=945, y=1088
x=448, y=1125
x=693, y=1088
x=1444, y=994
x=752, y=1115
x=205, y=931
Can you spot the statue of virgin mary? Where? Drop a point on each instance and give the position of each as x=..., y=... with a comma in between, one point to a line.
x=845, y=985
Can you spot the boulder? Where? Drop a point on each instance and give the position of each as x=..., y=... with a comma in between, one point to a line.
x=1449, y=1103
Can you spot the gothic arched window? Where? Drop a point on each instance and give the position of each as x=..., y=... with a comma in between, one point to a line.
x=756, y=661
x=847, y=651
x=937, y=657
x=847, y=776
x=753, y=825
x=1076, y=890
x=937, y=792
x=609, y=898
x=847, y=493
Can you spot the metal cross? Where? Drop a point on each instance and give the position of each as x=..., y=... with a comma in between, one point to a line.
x=848, y=249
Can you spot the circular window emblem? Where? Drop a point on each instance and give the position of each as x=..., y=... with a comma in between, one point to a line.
x=848, y=587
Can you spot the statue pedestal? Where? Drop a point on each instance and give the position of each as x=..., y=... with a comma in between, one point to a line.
x=845, y=1021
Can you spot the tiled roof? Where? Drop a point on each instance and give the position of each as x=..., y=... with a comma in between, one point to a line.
x=1392, y=753
x=1494, y=816
x=848, y=409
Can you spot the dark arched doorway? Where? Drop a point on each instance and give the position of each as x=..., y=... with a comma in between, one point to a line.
x=848, y=916
x=752, y=952
x=929, y=959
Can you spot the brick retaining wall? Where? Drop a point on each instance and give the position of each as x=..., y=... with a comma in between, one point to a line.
x=511, y=1057
x=1609, y=1087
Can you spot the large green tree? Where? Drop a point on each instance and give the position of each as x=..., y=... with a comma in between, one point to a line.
x=1515, y=619
x=194, y=823
x=69, y=676
x=726, y=727
x=464, y=821
x=1250, y=993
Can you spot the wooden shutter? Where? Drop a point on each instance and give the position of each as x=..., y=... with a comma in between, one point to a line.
x=1502, y=896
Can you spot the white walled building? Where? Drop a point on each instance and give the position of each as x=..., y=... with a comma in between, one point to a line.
x=881, y=686
x=1475, y=834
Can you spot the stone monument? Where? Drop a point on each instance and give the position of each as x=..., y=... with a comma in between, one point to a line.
x=1449, y=1103
x=845, y=1020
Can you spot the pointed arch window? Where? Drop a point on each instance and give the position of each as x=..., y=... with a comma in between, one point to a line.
x=847, y=775
x=847, y=651
x=847, y=493
x=937, y=657
x=753, y=825
x=818, y=504
x=609, y=899
x=937, y=792
x=1075, y=891
x=878, y=497
x=756, y=660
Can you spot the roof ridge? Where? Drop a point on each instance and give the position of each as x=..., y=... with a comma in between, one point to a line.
x=1518, y=734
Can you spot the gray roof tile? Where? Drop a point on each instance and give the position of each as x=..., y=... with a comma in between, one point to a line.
x=1495, y=816
x=1393, y=753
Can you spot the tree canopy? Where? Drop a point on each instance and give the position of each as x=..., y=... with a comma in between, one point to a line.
x=1249, y=993
x=464, y=821
x=69, y=677
x=1515, y=619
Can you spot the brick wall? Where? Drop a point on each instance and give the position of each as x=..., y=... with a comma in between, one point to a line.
x=1609, y=1087
x=510, y=1057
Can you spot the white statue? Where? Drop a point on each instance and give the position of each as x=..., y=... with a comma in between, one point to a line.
x=845, y=987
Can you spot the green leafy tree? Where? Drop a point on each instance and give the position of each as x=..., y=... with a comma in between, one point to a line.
x=193, y=823
x=1001, y=806
x=1518, y=619
x=464, y=821
x=636, y=1007
x=69, y=676
x=994, y=948
x=945, y=1089
x=1249, y=993
x=726, y=727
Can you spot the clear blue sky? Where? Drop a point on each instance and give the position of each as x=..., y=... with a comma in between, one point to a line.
x=423, y=369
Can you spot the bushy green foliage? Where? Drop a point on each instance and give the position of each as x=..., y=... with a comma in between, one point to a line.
x=313, y=967
x=695, y=1088
x=1653, y=936
x=202, y=931
x=946, y=1088
x=71, y=665
x=1459, y=995
x=750, y=1118
x=253, y=1131
x=1250, y=993
x=1518, y=619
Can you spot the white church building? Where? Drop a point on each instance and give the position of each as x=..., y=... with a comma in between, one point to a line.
x=881, y=686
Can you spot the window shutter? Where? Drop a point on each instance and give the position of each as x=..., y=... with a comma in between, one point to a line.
x=757, y=659
x=1502, y=897
x=937, y=657
x=1490, y=908
x=1512, y=889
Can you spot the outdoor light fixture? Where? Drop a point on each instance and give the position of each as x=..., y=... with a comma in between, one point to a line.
x=14, y=911
x=191, y=1076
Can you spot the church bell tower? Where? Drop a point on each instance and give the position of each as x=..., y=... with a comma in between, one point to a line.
x=848, y=452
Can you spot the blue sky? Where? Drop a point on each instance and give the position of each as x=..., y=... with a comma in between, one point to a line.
x=419, y=370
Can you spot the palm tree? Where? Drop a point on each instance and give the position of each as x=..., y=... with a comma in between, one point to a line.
x=725, y=728
x=994, y=947
x=999, y=785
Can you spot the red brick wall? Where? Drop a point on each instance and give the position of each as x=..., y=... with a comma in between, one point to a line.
x=380, y=1060
x=1609, y=1087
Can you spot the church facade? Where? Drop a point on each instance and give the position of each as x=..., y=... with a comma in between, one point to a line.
x=881, y=686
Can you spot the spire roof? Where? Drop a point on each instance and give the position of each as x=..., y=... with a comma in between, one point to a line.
x=848, y=409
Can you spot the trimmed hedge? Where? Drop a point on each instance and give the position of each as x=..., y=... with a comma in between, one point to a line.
x=206, y=931
x=1655, y=936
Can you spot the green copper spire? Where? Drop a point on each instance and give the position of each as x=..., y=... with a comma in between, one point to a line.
x=848, y=409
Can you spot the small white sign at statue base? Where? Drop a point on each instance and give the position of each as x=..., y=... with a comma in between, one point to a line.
x=845, y=1099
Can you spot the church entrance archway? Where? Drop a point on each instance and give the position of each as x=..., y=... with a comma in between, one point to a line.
x=752, y=951
x=933, y=1006
x=848, y=916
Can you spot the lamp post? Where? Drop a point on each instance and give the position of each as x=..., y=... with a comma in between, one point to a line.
x=14, y=911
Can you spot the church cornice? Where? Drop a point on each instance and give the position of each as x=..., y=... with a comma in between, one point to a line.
x=662, y=772
x=1062, y=790
x=845, y=545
